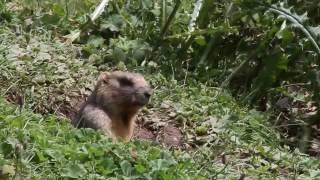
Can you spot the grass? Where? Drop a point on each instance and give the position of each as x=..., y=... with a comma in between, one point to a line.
x=230, y=142
x=37, y=146
x=45, y=146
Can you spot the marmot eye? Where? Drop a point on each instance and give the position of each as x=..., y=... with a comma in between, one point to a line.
x=125, y=82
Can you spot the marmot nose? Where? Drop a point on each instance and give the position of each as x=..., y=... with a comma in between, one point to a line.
x=147, y=94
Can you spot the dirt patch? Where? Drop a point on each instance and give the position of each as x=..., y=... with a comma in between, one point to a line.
x=145, y=134
x=171, y=136
x=71, y=107
x=157, y=125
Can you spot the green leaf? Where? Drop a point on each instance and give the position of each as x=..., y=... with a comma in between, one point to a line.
x=154, y=153
x=314, y=173
x=200, y=40
x=54, y=154
x=119, y=54
x=74, y=171
x=106, y=166
x=140, y=167
x=50, y=19
x=126, y=168
x=201, y=130
x=96, y=41
x=284, y=33
x=39, y=156
x=12, y=141
x=114, y=23
x=287, y=36
x=58, y=9
x=138, y=54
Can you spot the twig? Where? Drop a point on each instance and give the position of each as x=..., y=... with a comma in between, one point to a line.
x=168, y=22
x=236, y=71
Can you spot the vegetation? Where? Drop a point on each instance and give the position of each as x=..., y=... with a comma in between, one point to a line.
x=238, y=79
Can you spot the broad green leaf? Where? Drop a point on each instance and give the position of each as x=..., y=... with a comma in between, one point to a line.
x=126, y=168
x=119, y=55
x=74, y=171
x=96, y=41
x=138, y=54
x=140, y=167
x=200, y=40
x=54, y=154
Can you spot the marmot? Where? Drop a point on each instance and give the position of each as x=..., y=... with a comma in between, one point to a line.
x=114, y=104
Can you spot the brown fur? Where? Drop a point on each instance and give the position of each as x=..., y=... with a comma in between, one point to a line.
x=114, y=104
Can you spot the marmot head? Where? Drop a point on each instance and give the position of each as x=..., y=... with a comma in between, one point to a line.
x=121, y=90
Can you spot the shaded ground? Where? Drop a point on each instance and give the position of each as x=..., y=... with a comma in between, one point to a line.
x=297, y=120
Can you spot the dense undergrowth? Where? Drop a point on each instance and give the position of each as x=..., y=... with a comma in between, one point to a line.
x=232, y=141
x=45, y=77
x=47, y=147
x=38, y=146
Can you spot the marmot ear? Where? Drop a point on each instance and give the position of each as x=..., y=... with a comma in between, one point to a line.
x=104, y=76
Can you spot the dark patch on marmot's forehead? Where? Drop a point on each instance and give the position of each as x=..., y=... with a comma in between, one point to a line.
x=128, y=76
x=137, y=79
